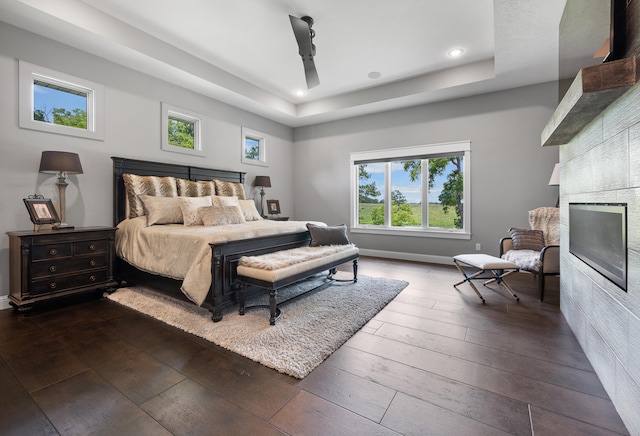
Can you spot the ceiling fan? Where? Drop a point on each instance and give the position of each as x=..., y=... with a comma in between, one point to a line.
x=306, y=48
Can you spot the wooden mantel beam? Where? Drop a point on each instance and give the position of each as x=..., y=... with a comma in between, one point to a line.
x=592, y=91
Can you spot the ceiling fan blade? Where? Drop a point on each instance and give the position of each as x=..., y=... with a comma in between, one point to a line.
x=310, y=73
x=306, y=49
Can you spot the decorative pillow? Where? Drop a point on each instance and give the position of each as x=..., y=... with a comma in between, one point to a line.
x=136, y=185
x=189, y=207
x=328, y=235
x=217, y=200
x=525, y=239
x=228, y=189
x=220, y=215
x=188, y=188
x=249, y=210
x=161, y=210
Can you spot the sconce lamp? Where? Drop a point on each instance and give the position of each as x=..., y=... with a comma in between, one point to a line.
x=262, y=182
x=62, y=163
x=555, y=180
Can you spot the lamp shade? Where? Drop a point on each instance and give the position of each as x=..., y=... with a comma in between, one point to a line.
x=555, y=176
x=263, y=181
x=60, y=162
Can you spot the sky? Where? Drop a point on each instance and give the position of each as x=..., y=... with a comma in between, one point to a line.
x=400, y=181
x=53, y=98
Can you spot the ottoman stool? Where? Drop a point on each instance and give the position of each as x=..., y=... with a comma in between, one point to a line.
x=486, y=267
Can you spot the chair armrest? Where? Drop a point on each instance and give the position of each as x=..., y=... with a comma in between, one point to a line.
x=550, y=259
x=506, y=244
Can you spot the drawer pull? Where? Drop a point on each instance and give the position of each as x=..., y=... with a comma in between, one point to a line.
x=52, y=285
x=92, y=278
x=92, y=247
x=52, y=268
x=53, y=251
x=92, y=262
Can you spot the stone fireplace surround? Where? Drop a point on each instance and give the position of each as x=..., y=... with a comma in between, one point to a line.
x=600, y=163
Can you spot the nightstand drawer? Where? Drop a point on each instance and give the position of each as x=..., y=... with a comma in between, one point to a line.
x=88, y=247
x=52, y=251
x=63, y=283
x=46, y=268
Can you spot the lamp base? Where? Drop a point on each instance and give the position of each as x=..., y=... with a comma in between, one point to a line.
x=62, y=226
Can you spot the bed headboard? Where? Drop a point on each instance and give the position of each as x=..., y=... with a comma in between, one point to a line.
x=146, y=168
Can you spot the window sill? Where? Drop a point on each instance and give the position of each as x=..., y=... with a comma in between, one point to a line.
x=420, y=233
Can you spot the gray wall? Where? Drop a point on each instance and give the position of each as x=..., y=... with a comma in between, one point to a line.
x=510, y=171
x=601, y=165
x=132, y=130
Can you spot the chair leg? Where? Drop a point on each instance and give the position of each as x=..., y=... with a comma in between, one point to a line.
x=541, y=286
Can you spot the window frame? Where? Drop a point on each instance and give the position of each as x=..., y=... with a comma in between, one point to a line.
x=410, y=153
x=262, y=141
x=170, y=111
x=28, y=73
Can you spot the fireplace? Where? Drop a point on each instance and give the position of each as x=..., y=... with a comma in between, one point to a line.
x=598, y=237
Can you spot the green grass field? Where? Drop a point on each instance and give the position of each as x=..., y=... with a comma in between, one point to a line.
x=437, y=215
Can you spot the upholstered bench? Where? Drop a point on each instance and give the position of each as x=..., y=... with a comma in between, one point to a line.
x=273, y=271
x=486, y=267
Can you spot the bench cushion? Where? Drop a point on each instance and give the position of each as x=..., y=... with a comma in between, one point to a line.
x=316, y=257
x=485, y=261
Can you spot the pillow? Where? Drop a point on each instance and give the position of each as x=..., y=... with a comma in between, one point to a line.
x=161, y=210
x=328, y=235
x=188, y=188
x=189, y=207
x=146, y=185
x=525, y=239
x=220, y=215
x=217, y=200
x=228, y=189
x=248, y=208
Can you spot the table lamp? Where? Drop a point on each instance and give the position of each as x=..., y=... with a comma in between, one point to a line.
x=62, y=163
x=262, y=182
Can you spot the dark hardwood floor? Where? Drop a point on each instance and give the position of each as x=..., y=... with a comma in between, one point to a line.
x=434, y=361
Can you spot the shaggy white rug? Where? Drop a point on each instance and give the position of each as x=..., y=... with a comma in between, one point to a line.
x=309, y=330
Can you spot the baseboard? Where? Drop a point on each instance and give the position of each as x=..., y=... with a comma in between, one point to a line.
x=4, y=302
x=427, y=258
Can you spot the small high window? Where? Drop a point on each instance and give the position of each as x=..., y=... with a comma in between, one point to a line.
x=55, y=102
x=182, y=130
x=253, y=149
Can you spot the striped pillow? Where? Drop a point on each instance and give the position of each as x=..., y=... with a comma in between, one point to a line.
x=525, y=239
x=188, y=188
x=229, y=189
x=136, y=185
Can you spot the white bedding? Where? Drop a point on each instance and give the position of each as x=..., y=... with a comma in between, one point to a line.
x=182, y=252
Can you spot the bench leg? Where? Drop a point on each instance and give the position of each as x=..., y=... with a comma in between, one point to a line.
x=272, y=306
x=241, y=291
x=355, y=270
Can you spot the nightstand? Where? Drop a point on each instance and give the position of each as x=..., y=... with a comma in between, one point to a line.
x=278, y=218
x=51, y=264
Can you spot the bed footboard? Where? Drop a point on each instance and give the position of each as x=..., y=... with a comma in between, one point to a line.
x=224, y=262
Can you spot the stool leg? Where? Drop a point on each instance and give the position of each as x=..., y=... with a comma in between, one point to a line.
x=499, y=278
x=468, y=279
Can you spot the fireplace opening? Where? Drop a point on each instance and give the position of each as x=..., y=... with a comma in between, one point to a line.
x=598, y=237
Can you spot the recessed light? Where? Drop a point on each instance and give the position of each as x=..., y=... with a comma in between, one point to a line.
x=455, y=52
x=374, y=75
x=300, y=93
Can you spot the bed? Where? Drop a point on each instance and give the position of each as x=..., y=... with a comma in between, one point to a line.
x=225, y=252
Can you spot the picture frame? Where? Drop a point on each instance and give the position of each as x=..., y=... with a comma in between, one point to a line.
x=273, y=207
x=41, y=210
